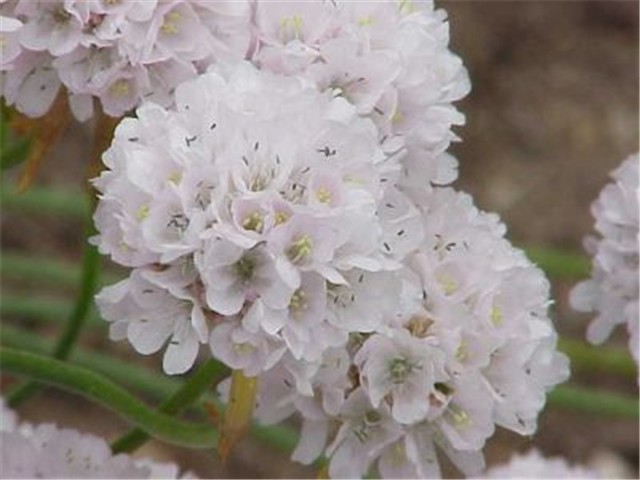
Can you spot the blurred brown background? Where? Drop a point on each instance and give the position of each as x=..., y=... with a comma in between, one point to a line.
x=553, y=109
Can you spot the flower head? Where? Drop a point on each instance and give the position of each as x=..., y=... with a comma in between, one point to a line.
x=533, y=465
x=118, y=52
x=612, y=290
x=46, y=451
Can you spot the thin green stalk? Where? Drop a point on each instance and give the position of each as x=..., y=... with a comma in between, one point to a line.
x=208, y=373
x=143, y=380
x=598, y=359
x=77, y=319
x=41, y=308
x=101, y=390
x=588, y=401
x=44, y=270
x=126, y=373
x=44, y=201
x=558, y=263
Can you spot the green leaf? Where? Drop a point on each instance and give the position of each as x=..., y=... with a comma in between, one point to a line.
x=591, y=359
x=560, y=264
x=13, y=153
x=77, y=319
x=204, y=378
x=40, y=309
x=594, y=402
x=134, y=377
x=98, y=388
x=46, y=271
x=45, y=201
x=142, y=379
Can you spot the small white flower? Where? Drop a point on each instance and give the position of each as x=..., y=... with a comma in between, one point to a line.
x=364, y=434
x=612, y=292
x=403, y=370
x=46, y=451
x=151, y=316
x=533, y=465
x=243, y=350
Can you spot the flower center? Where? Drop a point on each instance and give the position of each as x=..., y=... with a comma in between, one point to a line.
x=323, y=195
x=400, y=369
x=291, y=27
x=119, y=88
x=254, y=221
x=301, y=249
x=298, y=301
x=497, y=318
x=245, y=268
x=170, y=24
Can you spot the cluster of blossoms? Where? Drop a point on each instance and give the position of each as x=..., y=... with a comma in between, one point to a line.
x=118, y=51
x=290, y=212
x=268, y=219
x=612, y=292
x=46, y=451
x=389, y=59
x=533, y=465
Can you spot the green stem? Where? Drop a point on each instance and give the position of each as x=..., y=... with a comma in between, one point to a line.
x=44, y=271
x=142, y=379
x=588, y=401
x=37, y=308
x=77, y=319
x=208, y=373
x=598, y=359
x=45, y=201
x=103, y=391
x=558, y=263
x=125, y=373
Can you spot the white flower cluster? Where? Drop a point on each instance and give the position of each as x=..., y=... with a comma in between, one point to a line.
x=390, y=59
x=46, y=451
x=466, y=346
x=264, y=218
x=118, y=51
x=612, y=292
x=532, y=465
x=289, y=213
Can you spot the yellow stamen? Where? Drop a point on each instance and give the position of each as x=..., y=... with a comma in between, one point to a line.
x=462, y=352
x=397, y=117
x=366, y=21
x=291, y=27
x=120, y=88
x=301, y=249
x=254, y=221
x=448, y=284
x=143, y=212
x=281, y=217
x=497, y=318
x=175, y=177
x=406, y=6
x=460, y=417
x=170, y=25
x=298, y=301
x=323, y=195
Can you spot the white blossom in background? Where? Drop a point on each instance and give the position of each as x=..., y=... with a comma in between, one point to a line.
x=118, y=52
x=46, y=451
x=612, y=291
x=533, y=465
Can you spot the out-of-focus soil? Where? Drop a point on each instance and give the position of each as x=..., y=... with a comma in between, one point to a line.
x=553, y=109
